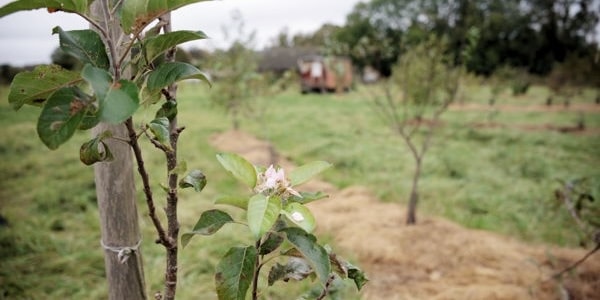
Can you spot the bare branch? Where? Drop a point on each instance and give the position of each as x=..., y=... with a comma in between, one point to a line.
x=327, y=287
x=577, y=263
x=133, y=140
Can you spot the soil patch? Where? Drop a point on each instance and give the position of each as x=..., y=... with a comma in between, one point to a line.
x=435, y=259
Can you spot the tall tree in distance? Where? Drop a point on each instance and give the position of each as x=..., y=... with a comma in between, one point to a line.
x=528, y=34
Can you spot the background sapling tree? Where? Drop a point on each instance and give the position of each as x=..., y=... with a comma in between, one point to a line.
x=577, y=199
x=235, y=72
x=104, y=95
x=580, y=204
x=281, y=226
x=422, y=86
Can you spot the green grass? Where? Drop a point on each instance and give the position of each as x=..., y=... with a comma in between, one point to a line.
x=494, y=179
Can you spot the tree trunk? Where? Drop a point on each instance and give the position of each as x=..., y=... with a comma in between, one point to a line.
x=411, y=215
x=115, y=191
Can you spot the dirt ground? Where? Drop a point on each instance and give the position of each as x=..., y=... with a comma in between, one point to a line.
x=435, y=259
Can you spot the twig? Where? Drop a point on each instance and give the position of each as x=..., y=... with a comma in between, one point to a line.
x=257, y=267
x=156, y=143
x=162, y=236
x=577, y=263
x=115, y=7
x=566, y=197
x=326, y=289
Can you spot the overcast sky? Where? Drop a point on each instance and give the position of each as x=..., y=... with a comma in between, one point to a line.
x=25, y=37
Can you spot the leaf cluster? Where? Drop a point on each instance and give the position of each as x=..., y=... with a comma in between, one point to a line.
x=74, y=101
x=277, y=221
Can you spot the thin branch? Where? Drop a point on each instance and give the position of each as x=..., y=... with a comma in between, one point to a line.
x=156, y=143
x=381, y=109
x=566, y=195
x=96, y=25
x=128, y=48
x=162, y=236
x=577, y=263
x=327, y=287
x=392, y=107
x=115, y=7
x=257, y=267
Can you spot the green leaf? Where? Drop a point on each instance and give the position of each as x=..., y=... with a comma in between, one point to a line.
x=99, y=79
x=90, y=120
x=296, y=269
x=301, y=216
x=79, y=6
x=85, y=45
x=356, y=274
x=195, y=179
x=61, y=116
x=262, y=213
x=34, y=87
x=137, y=14
x=316, y=255
x=157, y=45
x=234, y=273
x=303, y=173
x=167, y=110
x=120, y=103
x=169, y=73
x=273, y=239
x=240, y=168
x=237, y=201
x=210, y=222
x=160, y=130
x=95, y=150
x=307, y=197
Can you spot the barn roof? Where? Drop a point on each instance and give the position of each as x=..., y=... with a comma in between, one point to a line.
x=279, y=59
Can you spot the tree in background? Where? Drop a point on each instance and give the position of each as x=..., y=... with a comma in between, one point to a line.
x=424, y=82
x=370, y=41
x=530, y=34
x=235, y=72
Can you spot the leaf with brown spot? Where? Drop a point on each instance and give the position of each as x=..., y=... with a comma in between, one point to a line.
x=137, y=14
x=34, y=87
x=56, y=124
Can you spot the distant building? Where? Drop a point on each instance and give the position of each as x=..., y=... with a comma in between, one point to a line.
x=280, y=59
x=319, y=73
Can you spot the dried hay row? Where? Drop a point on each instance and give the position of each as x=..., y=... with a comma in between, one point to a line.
x=436, y=259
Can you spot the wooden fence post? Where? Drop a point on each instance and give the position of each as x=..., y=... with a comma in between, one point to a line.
x=115, y=189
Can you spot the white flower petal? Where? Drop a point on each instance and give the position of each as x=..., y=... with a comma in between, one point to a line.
x=297, y=216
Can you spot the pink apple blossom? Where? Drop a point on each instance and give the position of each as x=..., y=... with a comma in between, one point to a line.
x=273, y=181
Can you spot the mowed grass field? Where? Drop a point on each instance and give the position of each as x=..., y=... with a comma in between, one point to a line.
x=497, y=178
